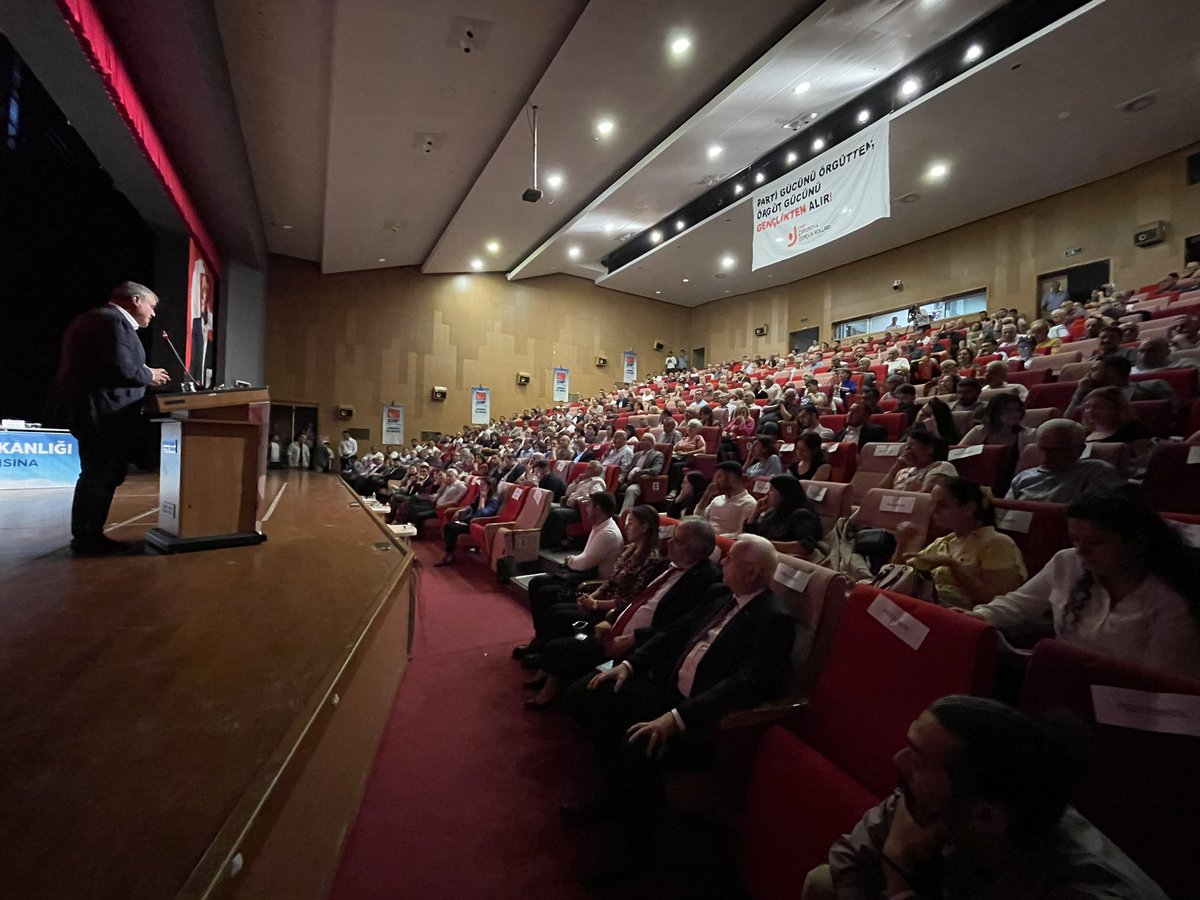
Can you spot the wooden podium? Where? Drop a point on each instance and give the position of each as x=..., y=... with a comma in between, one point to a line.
x=213, y=470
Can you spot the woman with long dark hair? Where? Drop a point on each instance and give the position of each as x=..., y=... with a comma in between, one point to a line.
x=786, y=518
x=811, y=462
x=935, y=417
x=1002, y=424
x=1128, y=586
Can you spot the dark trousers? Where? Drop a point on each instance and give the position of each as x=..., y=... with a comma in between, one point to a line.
x=105, y=451
x=554, y=530
x=451, y=532
x=675, y=475
x=552, y=604
x=569, y=659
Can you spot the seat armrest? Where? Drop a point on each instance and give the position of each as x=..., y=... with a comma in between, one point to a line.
x=766, y=714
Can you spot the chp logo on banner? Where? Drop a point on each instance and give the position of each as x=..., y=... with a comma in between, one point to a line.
x=630, y=360
x=562, y=385
x=481, y=405
x=393, y=424
x=828, y=197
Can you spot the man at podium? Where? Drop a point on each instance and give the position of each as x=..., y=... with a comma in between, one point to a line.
x=102, y=378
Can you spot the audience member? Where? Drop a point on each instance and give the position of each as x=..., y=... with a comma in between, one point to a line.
x=1062, y=475
x=811, y=461
x=647, y=461
x=487, y=503
x=785, y=517
x=921, y=465
x=996, y=382
x=1154, y=355
x=981, y=812
x=934, y=416
x=1113, y=371
x=726, y=503
x=763, y=459
x=1127, y=587
x=858, y=430
x=554, y=530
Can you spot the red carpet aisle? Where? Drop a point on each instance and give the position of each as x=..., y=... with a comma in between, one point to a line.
x=463, y=799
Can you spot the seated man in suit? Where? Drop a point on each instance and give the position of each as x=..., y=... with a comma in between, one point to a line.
x=666, y=699
x=858, y=430
x=635, y=620
x=646, y=461
x=981, y=812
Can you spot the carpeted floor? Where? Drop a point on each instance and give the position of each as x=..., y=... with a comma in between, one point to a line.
x=463, y=799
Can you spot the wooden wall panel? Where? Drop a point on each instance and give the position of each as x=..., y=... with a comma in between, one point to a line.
x=362, y=339
x=1004, y=253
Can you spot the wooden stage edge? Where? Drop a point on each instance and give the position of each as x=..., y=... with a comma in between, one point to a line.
x=286, y=836
x=197, y=725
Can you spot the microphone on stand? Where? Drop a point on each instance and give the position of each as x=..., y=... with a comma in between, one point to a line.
x=190, y=385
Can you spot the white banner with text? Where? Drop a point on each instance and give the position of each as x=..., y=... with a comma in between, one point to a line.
x=562, y=385
x=393, y=424
x=828, y=197
x=481, y=405
x=630, y=367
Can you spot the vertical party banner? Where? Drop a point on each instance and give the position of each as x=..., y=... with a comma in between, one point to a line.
x=481, y=405
x=630, y=359
x=828, y=197
x=393, y=424
x=562, y=385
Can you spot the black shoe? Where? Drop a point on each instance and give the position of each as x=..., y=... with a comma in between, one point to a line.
x=103, y=546
x=536, y=685
x=531, y=661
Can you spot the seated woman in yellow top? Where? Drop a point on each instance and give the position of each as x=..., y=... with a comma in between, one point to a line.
x=974, y=561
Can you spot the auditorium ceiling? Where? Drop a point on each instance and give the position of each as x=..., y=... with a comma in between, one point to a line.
x=387, y=134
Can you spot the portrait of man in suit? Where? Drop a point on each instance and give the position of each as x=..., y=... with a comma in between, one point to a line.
x=102, y=378
x=200, y=352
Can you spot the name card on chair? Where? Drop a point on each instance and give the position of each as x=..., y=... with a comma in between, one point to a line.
x=1147, y=710
x=964, y=452
x=786, y=448
x=892, y=616
x=816, y=494
x=1018, y=520
x=796, y=579
x=888, y=449
x=762, y=486
x=666, y=532
x=1087, y=451
x=1193, y=454
x=897, y=504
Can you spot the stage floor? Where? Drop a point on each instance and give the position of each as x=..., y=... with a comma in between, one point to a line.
x=145, y=697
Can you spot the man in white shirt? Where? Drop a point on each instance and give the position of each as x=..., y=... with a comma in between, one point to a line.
x=726, y=503
x=620, y=454
x=1154, y=355
x=347, y=447
x=554, y=530
x=994, y=375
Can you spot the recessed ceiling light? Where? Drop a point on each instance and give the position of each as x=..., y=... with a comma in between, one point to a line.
x=573, y=251
x=554, y=179
x=737, y=189
x=973, y=53
x=288, y=227
x=655, y=236
x=715, y=150
x=383, y=259
x=477, y=264
x=1064, y=115
x=658, y=292
x=863, y=115
x=680, y=225
x=938, y=171
x=686, y=280
x=605, y=127
x=909, y=87
x=609, y=227
x=801, y=87
x=759, y=178
x=727, y=261
x=493, y=246
x=791, y=158
x=681, y=44
x=812, y=116
x=819, y=144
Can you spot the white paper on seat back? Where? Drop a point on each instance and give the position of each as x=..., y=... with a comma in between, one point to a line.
x=893, y=617
x=1147, y=710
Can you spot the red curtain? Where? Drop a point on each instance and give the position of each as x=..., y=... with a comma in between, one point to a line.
x=89, y=30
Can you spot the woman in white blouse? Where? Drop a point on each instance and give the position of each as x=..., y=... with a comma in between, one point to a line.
x=1128, y=587
x=922, y=465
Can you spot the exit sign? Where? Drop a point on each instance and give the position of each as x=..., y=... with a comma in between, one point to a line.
x=1074, y=251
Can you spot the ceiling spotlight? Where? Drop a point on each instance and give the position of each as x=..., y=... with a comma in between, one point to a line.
x=686, y=280
x=801, y=87
x=288, y=227
x=818, y=144
x=605, y=127
x=937, y=171
x=759, y=178
x=574, y=252
x=727, y=261
x=493, y=247
x=656, y=236
x=554, y=180
x=608, y=227
x=973, y=53
x=477, y=264
x=658, y=292
x=681, y=45
x=791, y=158
x=909, y=87
x=715, y=150
x=383, y=259
x=737, y=189
x=812, y=116
x=863, y=115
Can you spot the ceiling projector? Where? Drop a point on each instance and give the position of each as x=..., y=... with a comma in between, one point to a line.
x=532, y=195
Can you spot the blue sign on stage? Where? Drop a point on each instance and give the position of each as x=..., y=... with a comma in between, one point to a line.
x=38, y=459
